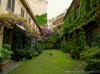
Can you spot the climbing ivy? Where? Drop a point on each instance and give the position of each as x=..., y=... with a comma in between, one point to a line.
x=72, y=29
x=87, y=13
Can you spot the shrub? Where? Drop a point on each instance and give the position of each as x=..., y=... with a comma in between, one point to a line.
x=40, y=46
x=65, y=46
x=49, y=45
x=5, y=51
x=93, y=65
x=75, y=52
x=92, y=57
x=71, y=48
x=23, y=53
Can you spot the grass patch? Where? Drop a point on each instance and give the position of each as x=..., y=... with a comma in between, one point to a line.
x=46, y=64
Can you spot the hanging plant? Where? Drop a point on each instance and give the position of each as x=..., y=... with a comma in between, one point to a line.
x=23, y=22
x=10, y=20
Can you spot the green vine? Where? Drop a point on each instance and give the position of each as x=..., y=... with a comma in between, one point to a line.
x=72, y=30
x=87, y=14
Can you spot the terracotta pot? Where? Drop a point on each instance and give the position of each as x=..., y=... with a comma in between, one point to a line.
x=1, y=67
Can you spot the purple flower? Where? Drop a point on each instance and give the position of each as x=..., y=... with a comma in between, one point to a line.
x=20, y=23
x=46, y=31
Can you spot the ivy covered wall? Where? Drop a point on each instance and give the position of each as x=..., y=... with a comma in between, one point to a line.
x=79, y=15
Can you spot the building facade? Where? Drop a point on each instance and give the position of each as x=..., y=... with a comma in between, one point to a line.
x=58, y=20
x=55, y=22
x=82, y=24
x=20, y=8
x=19, y=29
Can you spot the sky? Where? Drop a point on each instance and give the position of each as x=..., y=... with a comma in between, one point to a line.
x=53, y=8
x=56, y=7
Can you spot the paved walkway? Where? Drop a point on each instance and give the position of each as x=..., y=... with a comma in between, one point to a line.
x=11, y=66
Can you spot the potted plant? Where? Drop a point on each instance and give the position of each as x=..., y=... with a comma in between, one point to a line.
x=5, y=53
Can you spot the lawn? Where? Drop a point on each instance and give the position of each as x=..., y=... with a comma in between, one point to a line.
x=58, y=63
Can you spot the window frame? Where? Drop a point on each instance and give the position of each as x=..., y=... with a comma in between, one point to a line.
x=77, y=12
x=29, y=20
x=11, y=5
x=22, y=12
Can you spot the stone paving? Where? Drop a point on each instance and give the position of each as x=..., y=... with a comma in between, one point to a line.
x=11, y=66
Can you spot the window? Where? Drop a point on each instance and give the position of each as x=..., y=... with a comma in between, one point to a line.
x=7, y=36
x=69, y=20
x=96, y=41
x=91, y=4
x=11, y=4
x=78, y=12
x=26, y=15
x=22, y=12
x=29, y=20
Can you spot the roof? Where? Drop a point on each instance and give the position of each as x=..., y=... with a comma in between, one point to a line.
x=74, y=3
